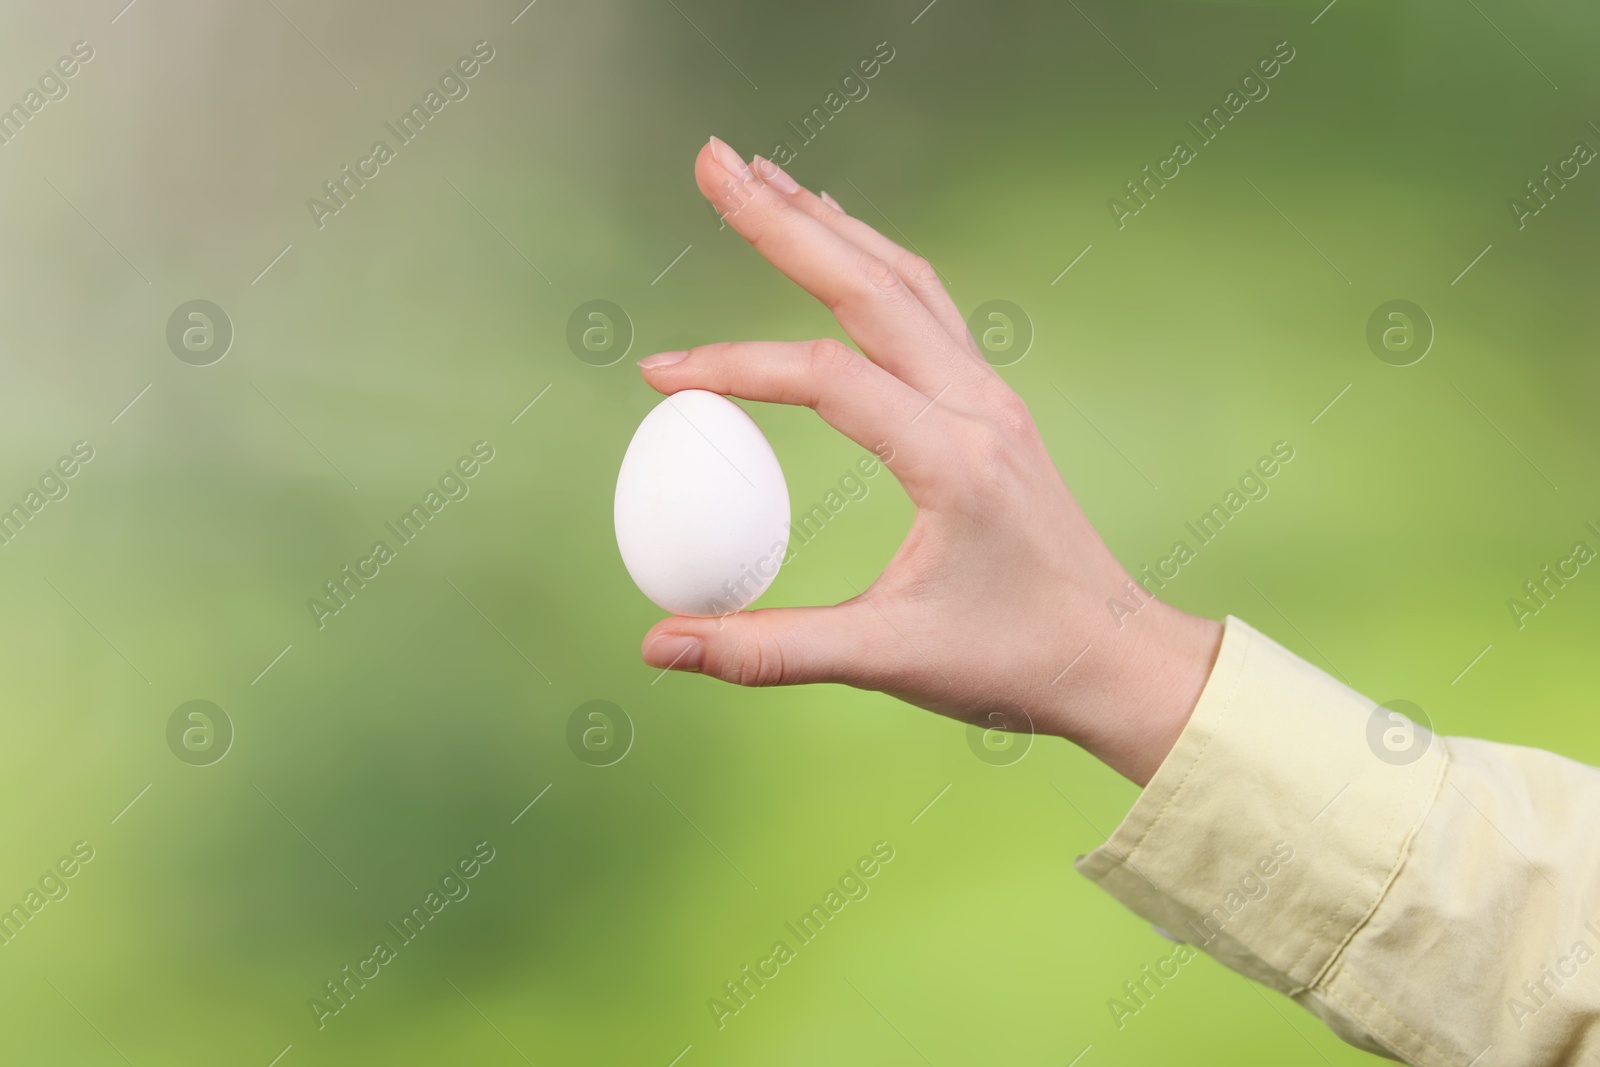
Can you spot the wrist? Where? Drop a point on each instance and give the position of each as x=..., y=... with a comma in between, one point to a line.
x=1149, y=679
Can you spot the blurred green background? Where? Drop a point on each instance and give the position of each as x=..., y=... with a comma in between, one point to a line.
x=371, y=755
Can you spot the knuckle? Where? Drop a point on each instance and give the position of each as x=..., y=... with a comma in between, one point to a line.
x=991, y=455
x=878, y=277
x=828, y=356
x=1011, y=411
x=919, y=274
x=988, y=445
x=872, y=283
x=833, y=361
x=756, y=664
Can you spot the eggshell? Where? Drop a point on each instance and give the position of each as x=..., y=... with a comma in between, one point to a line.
x=702, y=511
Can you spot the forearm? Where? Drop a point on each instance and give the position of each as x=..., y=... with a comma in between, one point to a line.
x=1405, y=897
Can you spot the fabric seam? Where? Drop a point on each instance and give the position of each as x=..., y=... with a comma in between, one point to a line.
x=1380, y=1006
x=1355, y=884
x=1400, y=862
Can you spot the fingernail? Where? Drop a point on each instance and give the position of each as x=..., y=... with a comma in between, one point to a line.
x=674, y=652
x=662, y=359
x=729, y=160
x=774, y=176
x=830, y=201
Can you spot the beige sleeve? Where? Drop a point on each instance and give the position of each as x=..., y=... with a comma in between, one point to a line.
x=1434, y=900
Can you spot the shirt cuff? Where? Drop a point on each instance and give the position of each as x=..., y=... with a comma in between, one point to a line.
x=1278, y=820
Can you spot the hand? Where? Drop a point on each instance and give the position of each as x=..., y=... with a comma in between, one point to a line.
x=1001, y=583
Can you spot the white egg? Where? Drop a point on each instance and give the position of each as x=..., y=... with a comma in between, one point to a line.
x=702, y=511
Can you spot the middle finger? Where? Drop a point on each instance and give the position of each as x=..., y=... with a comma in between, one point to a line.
x=862, y=290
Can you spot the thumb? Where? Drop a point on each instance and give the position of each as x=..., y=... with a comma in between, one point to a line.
x=772, y=646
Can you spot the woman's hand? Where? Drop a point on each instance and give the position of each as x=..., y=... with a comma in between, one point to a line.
x=994, y=610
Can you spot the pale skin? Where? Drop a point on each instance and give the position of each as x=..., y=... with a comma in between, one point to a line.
x=994, y=609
